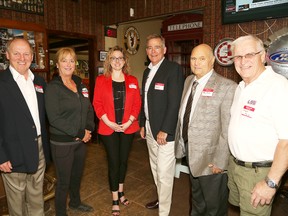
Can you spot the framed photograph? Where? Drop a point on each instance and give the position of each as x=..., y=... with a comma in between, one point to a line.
x=100, y=70
x=30, y=6
x=102, y=55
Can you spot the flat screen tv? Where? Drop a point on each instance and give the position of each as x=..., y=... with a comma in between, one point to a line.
x=237, y=11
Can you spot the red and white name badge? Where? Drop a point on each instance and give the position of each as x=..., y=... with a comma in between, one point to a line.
x=248, y=111
x=39, y=88
x=207, y=92
x=132, y=86
x=85, y=92
x=159, y=86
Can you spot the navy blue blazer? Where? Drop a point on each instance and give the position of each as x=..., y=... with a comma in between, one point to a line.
x=164, y=95
x=18, y=135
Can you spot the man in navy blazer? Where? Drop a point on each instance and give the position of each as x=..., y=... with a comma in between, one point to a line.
x=24, y=145
x=161, y=94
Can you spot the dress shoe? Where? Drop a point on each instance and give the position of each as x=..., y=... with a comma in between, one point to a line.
x=152, y=205
x=82, y=207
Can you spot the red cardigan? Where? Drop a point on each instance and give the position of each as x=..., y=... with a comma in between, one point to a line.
x=103, y=103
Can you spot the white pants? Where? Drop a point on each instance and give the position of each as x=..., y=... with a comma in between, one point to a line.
x=162, y=162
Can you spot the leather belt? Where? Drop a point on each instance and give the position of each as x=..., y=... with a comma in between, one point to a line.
x=253, y=164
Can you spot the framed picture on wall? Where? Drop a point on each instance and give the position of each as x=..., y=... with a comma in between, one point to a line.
x=36, y=6
x=102, y=55
x=100, y=70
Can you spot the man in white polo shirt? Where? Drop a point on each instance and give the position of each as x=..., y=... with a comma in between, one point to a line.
x=258, y=130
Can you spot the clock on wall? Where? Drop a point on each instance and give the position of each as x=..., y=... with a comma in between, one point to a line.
x=132, y=40
x=223, y=53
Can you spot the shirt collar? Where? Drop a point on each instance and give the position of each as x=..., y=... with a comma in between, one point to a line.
x=150, y=66
x=16, y=75
x=205, y=78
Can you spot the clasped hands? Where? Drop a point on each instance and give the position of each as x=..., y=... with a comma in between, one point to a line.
x=119, y=128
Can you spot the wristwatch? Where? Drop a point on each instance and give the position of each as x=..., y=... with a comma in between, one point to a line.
x=271, y=183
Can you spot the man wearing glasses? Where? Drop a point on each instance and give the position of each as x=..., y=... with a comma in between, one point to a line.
x=258, y=130
x=161, y=90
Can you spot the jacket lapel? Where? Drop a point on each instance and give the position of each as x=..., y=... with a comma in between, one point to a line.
x=203, y=99
x=16, y=94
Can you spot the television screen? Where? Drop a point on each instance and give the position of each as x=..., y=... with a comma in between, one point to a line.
x=237, y=11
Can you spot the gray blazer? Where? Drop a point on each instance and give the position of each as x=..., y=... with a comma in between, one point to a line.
x=208, y=129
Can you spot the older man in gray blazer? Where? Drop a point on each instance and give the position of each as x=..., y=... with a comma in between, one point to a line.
x=201, y=133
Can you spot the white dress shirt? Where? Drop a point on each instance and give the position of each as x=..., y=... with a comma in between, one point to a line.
x=28, y=91
x=153, y=70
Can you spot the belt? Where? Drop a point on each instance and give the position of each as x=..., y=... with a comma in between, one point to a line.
x=253, y=164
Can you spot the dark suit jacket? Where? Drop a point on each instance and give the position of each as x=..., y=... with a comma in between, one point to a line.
x=18, y=135
x=163, y=105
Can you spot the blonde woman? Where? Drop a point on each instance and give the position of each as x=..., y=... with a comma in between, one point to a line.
x=71, y=120
x=117, y=104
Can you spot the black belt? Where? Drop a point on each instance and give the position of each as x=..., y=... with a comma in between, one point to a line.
x=253, y=164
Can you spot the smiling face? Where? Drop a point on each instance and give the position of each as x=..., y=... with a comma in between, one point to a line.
x=66, y=65
x=155, y=50
x=201, y=60
x=20, y=55
x=249, y=60
x=117, y=60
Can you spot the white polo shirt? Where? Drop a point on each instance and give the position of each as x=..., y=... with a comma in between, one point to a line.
x=259, y=117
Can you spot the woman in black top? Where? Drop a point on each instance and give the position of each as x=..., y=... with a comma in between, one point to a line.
x=71, y=120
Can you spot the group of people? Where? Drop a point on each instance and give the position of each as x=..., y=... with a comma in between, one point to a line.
x=234, y=137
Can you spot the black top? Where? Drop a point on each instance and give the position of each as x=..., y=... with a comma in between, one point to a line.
x=119, y=100
x=69, y=113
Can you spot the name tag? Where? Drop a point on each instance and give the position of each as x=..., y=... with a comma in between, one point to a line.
x=207, y=92
x=159, y=86
x=248, y=111
x=39, y=88
x=132, y=86
x=85, y=92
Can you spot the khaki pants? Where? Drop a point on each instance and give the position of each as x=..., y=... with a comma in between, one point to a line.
x=162, y=162
x=241, y=181
x=25, y=191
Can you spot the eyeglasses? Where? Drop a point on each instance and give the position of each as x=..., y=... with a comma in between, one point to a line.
x=246, y=56
x=114, y=59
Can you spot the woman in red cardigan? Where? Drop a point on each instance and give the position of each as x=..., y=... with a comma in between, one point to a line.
x=117, y=104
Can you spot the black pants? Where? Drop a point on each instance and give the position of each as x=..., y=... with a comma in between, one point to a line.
x=209, y=195
x=117, y=147
x=69, y=164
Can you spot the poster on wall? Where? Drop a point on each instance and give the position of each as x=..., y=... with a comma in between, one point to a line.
x=28, y=6
x=34, y=38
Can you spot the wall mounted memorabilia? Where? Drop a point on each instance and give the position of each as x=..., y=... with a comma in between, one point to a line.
x=34, y=38
x=102, y=55
x=222, y=52
x=35, y=34
x=28, y=6
x=131, y=40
